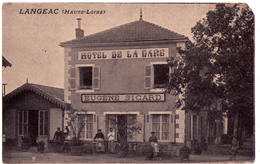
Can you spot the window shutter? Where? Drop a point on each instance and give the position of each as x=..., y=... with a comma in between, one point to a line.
x=72, y=78
x=172, y=127
x=148, y=77
x=140, y=121
x=95, y=125
x=96, y=77
x=150, y=124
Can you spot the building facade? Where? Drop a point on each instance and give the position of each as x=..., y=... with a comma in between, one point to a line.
x=32, y=111
x=121, y=73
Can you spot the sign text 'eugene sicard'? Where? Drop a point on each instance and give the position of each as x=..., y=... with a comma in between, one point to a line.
x=124, y=54
x=106, y=98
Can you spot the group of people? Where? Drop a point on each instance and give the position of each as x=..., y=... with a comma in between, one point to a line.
x=59, y=136
x=99, y=138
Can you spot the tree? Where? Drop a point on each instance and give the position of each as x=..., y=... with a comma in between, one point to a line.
x=218, y=65
x=76, y=123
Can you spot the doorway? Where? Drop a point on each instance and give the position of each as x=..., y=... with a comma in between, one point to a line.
x=121, y=124
x=33, y=123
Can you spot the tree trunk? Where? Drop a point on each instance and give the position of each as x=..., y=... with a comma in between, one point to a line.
x=122, y=130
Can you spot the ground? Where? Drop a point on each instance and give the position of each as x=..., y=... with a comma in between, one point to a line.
x=215, y=153
x=15, y=156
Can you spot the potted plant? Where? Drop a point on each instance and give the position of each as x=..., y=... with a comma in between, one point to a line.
x=76, y=123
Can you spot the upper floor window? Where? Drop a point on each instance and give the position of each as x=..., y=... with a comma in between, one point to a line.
x=156, y=76
x=161, y=75
x=88, y=77
x=85, y=77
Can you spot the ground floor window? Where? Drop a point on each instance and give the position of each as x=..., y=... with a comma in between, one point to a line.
x=87, y=131
x=23, y=123
x=160, y=125
x=132, y=126
x=194, y=127
x=43, y=123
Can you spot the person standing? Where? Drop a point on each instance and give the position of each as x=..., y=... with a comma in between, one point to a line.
x=111, y=140
x=58, y=137
x=154, y=143
x=99, y=139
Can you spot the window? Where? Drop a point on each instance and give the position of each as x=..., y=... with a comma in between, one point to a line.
x=156, y=76
x=194, y=127
x=89, y=77
x=85, y=77
x=22, y=123
x=161, y=75
x=87, y=131
x=160, y=125
x=43, y=123
x=131, y=126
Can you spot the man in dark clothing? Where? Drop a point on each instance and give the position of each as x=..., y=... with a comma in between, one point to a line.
x=99, y=140
x=99, y=135
x=58, y=136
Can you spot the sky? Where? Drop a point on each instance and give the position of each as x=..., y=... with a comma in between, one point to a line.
x=31, y=41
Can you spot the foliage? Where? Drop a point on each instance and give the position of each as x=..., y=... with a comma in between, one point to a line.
x=76, y=123
x=218, y=64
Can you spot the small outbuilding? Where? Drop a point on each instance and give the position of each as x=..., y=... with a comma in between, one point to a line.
x=33, y=111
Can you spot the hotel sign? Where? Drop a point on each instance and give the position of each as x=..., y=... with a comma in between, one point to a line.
x=124, y=54
x=113, y=98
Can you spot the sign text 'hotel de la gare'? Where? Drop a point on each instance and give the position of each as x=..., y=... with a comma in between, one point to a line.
x=124, y=54
x=131, y=97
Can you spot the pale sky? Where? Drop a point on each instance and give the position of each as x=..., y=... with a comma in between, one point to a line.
x=31, y=42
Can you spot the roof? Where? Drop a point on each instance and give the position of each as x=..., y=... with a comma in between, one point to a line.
x=52, y=94
x=131, y=32
x=6, y=63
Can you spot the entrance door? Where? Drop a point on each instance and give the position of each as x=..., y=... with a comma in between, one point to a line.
x=33, y=125
x=121, y=123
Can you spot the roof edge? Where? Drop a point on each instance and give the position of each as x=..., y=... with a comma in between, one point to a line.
x=72, y=42
x=133, y=43
x=29, y=87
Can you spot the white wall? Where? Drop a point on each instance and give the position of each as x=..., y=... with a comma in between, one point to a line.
x=55, y=120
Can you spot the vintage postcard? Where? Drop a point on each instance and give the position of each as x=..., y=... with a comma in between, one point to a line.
x=127, y=82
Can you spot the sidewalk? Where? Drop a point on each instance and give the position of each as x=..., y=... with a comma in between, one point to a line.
x=28, y=157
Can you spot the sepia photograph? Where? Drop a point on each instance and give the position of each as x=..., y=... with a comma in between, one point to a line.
x=128, y=83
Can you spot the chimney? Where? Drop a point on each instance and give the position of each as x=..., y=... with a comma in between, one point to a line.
x=79, y=31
